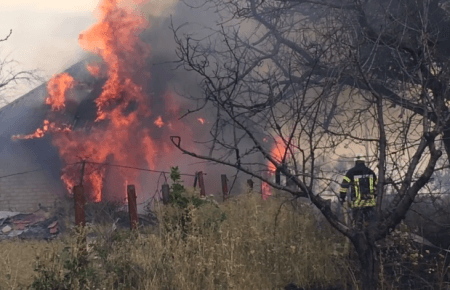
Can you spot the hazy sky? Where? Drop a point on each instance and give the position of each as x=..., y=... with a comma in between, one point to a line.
x=45, y=32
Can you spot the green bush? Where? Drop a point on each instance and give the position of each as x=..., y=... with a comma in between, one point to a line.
x=184, y=206
x=178, y=195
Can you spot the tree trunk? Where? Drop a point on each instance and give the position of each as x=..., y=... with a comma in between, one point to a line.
x=446, y=139
x=366, y=255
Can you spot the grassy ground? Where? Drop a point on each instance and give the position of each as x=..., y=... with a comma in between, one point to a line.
x=18, y=259
x=244, y=243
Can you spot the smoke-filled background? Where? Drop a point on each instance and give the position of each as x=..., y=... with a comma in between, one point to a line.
x=45, y=36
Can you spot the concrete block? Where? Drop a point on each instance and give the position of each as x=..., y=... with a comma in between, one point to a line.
x=6, y=229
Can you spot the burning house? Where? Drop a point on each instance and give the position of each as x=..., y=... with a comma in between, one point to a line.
x=113, y=108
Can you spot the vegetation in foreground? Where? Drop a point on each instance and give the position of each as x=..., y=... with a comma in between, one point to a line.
x=244, y=243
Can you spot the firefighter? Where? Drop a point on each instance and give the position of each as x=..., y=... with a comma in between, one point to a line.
x=359, y=184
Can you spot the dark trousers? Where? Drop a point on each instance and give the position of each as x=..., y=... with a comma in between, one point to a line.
x=361, y=216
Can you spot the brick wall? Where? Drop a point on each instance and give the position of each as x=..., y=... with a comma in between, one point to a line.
x=24, y=192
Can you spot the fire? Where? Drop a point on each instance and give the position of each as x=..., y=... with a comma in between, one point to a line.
x=39, y=133
x=94, y=69
x=115, y=37
x=277, y=152
x=159, y=122
x=57, y=88
x=265, y=188
x=201, y=120
x=124, y=135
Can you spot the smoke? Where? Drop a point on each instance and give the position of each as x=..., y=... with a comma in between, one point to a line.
x=164, y=76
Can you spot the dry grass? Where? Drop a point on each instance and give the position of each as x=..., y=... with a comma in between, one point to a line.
x=259, y=245
x=18, y=259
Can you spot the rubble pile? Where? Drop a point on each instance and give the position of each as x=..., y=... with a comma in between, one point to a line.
x=44, y=224
x=37, y=225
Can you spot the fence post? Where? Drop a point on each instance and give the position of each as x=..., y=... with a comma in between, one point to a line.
x=195, y=179
x=250, y=185
x=82, y=172
x=278, y=177
x=78, y=196
x=165, y=193
x=132, y=206
x=261, y=183
x=80, y=222
x=201, y=184
x=224, y=187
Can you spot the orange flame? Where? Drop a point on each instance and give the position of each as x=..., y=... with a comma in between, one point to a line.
x=39, y=133
x=277, y=152
x=57, y=88
x=159, y=122
x=94, y=69
x=114, y=38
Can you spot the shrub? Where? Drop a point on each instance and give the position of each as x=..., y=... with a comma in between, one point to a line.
x=68, y=269
x=184, y=205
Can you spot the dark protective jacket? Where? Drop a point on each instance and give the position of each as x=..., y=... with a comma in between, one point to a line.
x=362, y=182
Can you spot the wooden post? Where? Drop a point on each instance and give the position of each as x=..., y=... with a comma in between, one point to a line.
x=250, y=184
x=195, y=179
x=201, y=184
x=224, y=187
x=278, y=177
x=132, y=206
x=261, y=183
x=78, y=196
x=80, y=222
x=165, y=193
x=82, y=172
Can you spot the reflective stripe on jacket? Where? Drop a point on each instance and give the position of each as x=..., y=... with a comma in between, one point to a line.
x=362, y=181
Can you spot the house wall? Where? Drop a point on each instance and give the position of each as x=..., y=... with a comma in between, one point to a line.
x=24, y=193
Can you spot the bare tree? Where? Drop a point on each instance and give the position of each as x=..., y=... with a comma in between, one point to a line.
x=10, y=76
x=314, y=76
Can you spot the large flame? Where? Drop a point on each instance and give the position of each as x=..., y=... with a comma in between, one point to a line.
x=122, y=136
x=57, y=88
x=277, y=152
